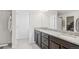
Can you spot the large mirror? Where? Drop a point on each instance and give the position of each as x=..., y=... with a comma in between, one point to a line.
x=70, y=23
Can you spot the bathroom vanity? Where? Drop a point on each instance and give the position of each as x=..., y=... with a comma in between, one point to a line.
x=51, y=39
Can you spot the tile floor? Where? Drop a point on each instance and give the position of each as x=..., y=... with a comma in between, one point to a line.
x=24, y=44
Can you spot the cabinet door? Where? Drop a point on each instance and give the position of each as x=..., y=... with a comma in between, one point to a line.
x=35, y=36
x=62, y=47
x=54, y=45
x=45, y=35
x=39, y=39
x=45, y=41
x=44, y=46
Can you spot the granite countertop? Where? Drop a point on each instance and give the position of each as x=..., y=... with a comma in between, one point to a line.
x=70, y=37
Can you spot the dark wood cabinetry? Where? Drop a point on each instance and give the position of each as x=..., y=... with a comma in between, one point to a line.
x=46, y=41
x=43, y=46
x=54, y=45
x=37, y=38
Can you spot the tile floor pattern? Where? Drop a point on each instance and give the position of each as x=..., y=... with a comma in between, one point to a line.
x=23, y=44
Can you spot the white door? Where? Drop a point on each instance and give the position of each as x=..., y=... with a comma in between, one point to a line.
x=22, y=25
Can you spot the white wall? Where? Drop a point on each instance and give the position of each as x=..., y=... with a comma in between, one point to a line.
x=52, y=19
x=71, y=13
x=26, y=21
x=37, y=19
x=42, y=19
x=5, y=34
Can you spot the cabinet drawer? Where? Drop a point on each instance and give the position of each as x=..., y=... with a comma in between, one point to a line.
x=45, y=41
x=53, y=45
x=45, y=35
x=44, y=46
